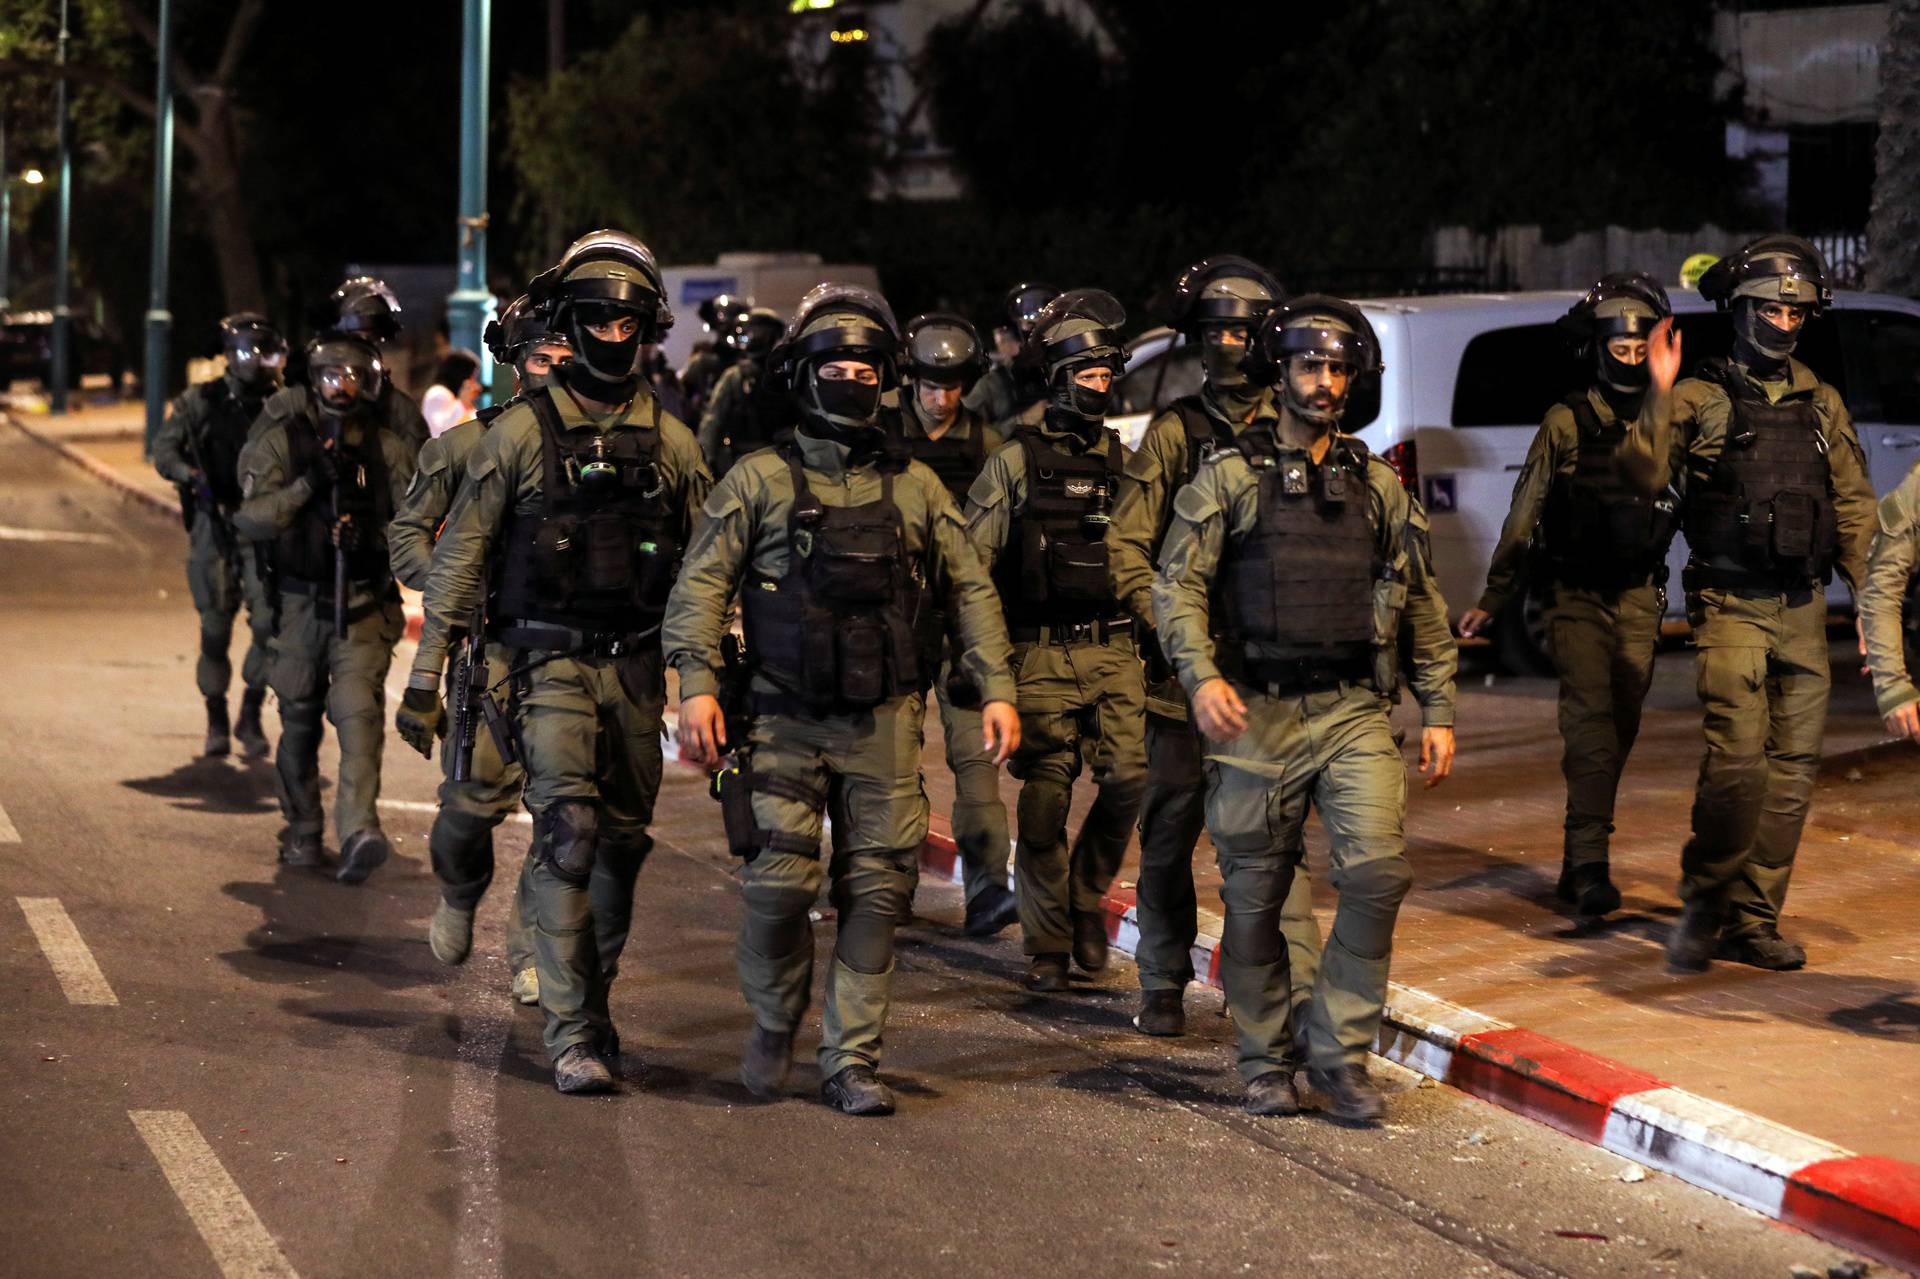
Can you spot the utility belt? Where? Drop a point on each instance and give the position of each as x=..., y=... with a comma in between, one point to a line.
x=548, y=638
x=1296, y=676
x=1750, y=583
x=321, y=593
x=800, y=708
x=1584, y=575
x=1101, y=630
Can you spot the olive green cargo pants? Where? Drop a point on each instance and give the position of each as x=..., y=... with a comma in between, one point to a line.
x=1336, y=750
x=1081, y=706
x=864, y=770
x=219, y=583
x=979, y=818
x=590, y=734
x=1603, y=646
x=461, y=842
x=1763, y=678
x=313, y=672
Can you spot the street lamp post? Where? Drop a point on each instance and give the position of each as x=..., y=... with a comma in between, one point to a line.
x=62, y=312
x=470, y=305
x=6, y=225
x=159, y=319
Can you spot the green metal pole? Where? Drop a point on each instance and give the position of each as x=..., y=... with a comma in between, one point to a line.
x=63, y=223
x=159, y=319
x=6, y=226
x=471, y=304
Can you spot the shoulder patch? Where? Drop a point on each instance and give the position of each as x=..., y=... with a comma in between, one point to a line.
x=1195, y=504
x=1895, y=518
x=723, y=499
x=1142, y=467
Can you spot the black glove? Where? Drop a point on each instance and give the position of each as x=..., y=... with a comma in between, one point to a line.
x=422, y=717
x=347, y=535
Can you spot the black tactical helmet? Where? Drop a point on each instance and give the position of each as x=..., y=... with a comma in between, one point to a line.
x=1224, y=289
x=838, y=322
x=755, y=331
x=1313, y=324
x=1023, y=305
x=606, y=272
x=1623, y=304
x=523, y=324
x=366, y=306
x=353, y=355
x=723, y=313
x=1774, y=268
x=254, y=349
x=1078, y=328
x=944, y=350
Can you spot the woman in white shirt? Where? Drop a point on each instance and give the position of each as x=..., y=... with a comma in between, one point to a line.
x=455, y=390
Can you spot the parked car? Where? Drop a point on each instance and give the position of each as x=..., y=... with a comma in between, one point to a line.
x=26, y=351
x=1469, y=376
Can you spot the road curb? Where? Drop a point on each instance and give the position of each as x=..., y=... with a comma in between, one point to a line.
x=1867, y=1203
x=156, y=502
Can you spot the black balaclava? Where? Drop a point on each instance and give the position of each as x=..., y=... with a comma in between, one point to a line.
x=842, y=410
x=1757, y=343
x=1234, y=393
x=606, y=372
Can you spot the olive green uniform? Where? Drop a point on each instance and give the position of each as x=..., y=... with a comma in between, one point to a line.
x=864, y=767
x=312, y=667
x=1763, y=669
x=1602, y=641
x=730, y=425
x=1883, y=599
x=1082, y=700
x=461, y=842
x=395, y=410
x=979, y=818
x=992, y=396
x=1334, y=747
x=223, y=568
x=589, y=725
x=1173, y=811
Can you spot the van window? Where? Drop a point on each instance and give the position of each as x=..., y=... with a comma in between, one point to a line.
x=1884, y=347
x=1146, y=387
x=1710, y=333
x=1511, y=377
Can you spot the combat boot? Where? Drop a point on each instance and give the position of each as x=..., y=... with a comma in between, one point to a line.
x=858, y=1091
x=1764, y=948
x=1589, y=890
x=991, y=911
x=1272, y=1094
x=526, y=986
x=580, y=1070
x=302, y=850
x=450, y=935
x=1695, y=936
x=247, y=729
x=217, y=728
x=1090, y=941
x=765, y=1061
x=1162, y=1012
x=1047, y=973
x=1350, y=1095
x=363, y=851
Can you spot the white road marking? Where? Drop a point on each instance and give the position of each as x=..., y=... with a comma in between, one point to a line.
x=8, y=835
x=240, y=1244
x=80, y=977
x=429, y=807
x=10, y=534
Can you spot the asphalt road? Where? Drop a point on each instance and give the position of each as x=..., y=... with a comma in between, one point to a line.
x=285, y=1082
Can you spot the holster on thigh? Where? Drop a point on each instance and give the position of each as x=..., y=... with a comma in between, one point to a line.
x=734, y=787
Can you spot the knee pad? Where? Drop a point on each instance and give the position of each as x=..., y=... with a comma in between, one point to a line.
x=865, y=943
x=777, y=922
x=569, y=836
x=1376, y=887
x=1253, y=937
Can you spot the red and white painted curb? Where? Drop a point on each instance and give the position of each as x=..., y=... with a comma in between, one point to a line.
x=1868, y=1203
x=162, y=503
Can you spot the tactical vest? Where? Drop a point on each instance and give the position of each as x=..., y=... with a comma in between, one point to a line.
x=837, y=629
x=601, y=554
x=1764, y=517
x=1204, y=432
x=758, y=420
x=1053, y=569
x=1598, y=533
x=218, y=450
x=956, y=459
x=1300, y=582
x=305, y=551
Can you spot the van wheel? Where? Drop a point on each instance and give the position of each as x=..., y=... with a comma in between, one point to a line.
x=1521, y=636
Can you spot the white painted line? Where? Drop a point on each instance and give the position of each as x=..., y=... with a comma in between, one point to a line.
x=240, y=1244
x=72, y=962
x=8, y=835
x=11, y=534
x=430, y=807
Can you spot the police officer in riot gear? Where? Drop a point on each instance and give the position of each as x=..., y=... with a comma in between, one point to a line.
x=364, y=308
x=198, y=448
x=943, y=359
x=1776, y=499
x=715, y=353
x=1038, y=515
x=461, y=843
x=1293, y=557
x=570, y=522
x=1601, y=548
x=745, y=411
x=1015, y=386
x=1890, y=609
x=1217, y=304
x=321, y=483
x=834, y=541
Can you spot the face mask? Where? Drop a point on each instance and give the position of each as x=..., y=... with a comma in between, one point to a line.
x=1623, y=377
x=602, y=370
x=1082, y=401
x=1757, y=335
x=843, y=407
x=1226, y=366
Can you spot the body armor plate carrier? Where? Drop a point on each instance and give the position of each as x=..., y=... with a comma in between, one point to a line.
x=957, y=460
x=1764, y=517
x=602, y=553
x=1597, y=533
x=1054, y=571
x=837, y=630
x=305, y=551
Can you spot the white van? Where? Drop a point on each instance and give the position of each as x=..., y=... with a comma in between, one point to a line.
x=1469, y=376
